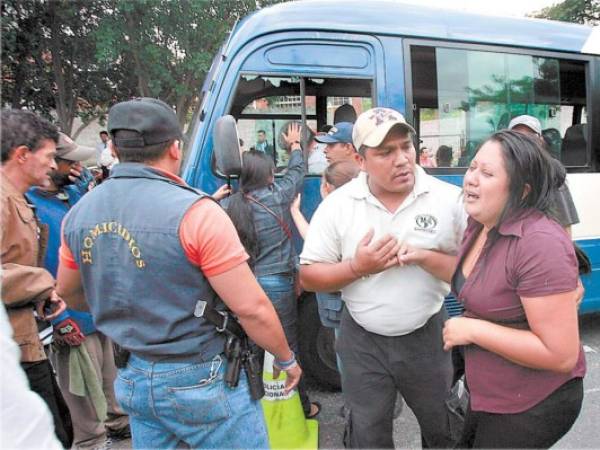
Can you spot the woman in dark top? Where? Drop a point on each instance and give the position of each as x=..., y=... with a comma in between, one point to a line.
x=517, y=277
x=260, y=212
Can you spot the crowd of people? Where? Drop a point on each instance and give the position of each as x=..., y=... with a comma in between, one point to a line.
x=171, y=282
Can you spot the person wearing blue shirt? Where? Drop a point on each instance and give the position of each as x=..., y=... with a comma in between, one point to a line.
x=96, y=412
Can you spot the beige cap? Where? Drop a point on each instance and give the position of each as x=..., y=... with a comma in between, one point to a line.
x=373, y=125
x=68, y=149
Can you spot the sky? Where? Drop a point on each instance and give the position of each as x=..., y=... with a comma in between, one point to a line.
x=518, y=8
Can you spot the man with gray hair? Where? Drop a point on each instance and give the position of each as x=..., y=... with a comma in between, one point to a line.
x=391, y=328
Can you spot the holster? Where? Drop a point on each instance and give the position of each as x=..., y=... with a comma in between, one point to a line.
x=237, y=349
x=121, y=356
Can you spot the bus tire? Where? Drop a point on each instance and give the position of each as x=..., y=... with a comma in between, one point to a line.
x=316, y=343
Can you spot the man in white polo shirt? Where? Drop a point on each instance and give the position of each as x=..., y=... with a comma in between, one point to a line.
x=380, y=240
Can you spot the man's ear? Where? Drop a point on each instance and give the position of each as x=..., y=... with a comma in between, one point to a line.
x=20, y=154
x=175, y=151
x=361, y=161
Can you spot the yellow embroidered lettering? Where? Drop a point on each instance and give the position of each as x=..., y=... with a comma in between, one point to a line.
x=86, y=256
x=88, y=242
x=124, y=234
x=95, y=232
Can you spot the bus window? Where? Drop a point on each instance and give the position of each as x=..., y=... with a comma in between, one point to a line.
x=462, y=96
x=263, y=105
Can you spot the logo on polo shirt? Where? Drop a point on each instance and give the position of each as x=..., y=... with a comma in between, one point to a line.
x=425, y=222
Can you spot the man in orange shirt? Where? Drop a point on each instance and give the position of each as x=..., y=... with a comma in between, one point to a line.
x=151, y=253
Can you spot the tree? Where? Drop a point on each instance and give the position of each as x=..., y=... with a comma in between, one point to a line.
x=578, y=11
x=75, y=58
x=49, y=63
x=171, y=44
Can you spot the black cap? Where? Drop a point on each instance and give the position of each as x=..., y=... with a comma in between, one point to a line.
x=152, y=119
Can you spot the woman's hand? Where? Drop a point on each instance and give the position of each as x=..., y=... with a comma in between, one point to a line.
x=294, y=134
x=295, y=206
x=409, y=255
x=222, y=192
x=458, y=331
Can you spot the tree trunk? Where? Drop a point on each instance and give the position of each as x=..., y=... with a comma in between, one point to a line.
x=142, y=74
x=23, y=46
x=84, y=125
x=64, y=100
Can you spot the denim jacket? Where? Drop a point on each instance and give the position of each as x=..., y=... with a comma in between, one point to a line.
x=276, y=252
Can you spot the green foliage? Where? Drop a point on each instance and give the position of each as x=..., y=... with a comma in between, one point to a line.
x=75, y=58
x=171, y=44
x=49, y=62
x=578, y=11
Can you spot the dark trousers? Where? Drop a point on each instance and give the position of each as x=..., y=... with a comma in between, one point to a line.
x=377, y=367
x=538, y=427
x=42, y=382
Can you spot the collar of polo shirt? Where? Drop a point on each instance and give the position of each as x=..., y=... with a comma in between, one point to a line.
x=361, y=189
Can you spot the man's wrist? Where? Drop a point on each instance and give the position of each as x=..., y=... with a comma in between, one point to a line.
x=286, y=364
x=353, y=268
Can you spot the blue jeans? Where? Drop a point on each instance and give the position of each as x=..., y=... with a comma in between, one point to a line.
x=170, y=404
x=280, y=290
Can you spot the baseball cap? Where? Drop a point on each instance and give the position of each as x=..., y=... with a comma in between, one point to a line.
x=373, y=125
x=340, y=132
x=153, y=120
x=529, y=121
x=68, y=149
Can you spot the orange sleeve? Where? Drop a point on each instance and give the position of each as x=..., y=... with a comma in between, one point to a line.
x=210, y=240
x=65, y=255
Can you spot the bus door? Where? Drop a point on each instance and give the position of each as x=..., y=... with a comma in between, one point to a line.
x=304, y=78
x=296, y=76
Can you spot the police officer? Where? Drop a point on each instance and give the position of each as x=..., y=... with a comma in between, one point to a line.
x=149, y=251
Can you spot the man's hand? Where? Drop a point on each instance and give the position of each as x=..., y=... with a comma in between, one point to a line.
x=375, y=257
x=75, y=172
x=293, y=375
x=67, y=332
x=51, y=308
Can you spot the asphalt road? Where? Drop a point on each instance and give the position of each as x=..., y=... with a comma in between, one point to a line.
x=584, y=434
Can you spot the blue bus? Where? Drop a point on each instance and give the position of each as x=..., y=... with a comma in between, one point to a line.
x=456, y=76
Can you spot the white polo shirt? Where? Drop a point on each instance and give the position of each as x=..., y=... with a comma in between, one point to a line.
x=398, y=300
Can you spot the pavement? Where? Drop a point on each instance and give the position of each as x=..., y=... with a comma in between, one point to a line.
x=584, y=434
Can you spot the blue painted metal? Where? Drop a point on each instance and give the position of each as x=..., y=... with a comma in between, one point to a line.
x=397, y=19
x=360, y=39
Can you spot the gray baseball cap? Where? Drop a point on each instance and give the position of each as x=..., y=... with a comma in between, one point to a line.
x=153, y=120
x=71, y=151
x=529, y=121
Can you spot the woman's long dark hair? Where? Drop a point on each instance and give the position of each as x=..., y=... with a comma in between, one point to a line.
x=257, y=172
x=528, y=164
